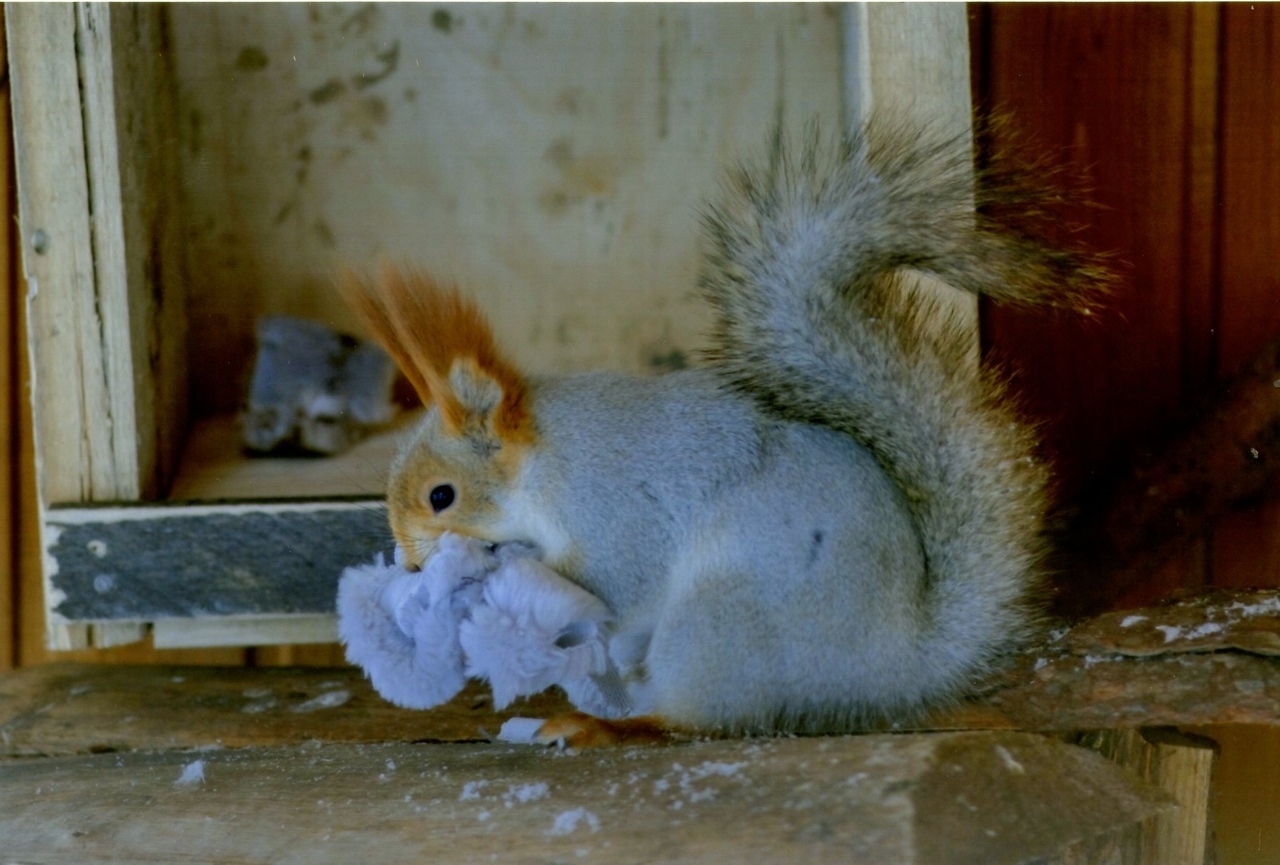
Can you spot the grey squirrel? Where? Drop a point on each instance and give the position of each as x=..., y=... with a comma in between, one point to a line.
x=837, y=518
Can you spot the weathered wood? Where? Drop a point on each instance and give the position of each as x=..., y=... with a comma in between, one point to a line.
x=912, y=59
x=100, y=224
x=1112, y=91
x=549, y=159
x=1182, y=766
x=152, y=228
x=1082, y=680
x=949, y=798
x=10, y=388
x=1208, y=659
x=145, y=563
x=1246, y=790
x=64, y=709
x=74, y=426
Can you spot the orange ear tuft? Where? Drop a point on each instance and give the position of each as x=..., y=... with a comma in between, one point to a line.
x=426, y=329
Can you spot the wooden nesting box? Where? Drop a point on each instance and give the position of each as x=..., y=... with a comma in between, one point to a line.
x=186, y=169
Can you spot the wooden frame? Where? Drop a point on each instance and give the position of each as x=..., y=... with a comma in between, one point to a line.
x=103, y=237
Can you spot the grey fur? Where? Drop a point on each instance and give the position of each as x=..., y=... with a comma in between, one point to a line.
x=839, y=517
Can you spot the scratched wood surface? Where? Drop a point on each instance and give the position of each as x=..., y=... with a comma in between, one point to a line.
x=1208, y=659
x=946, y=798
x=549, y=159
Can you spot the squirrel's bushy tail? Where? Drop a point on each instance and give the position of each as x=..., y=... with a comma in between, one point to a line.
x=803, y=267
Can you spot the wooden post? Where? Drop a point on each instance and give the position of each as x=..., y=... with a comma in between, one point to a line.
x=912, y=60
x=1182, y=766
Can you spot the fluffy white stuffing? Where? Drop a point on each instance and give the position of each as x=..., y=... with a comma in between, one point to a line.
x=473, y=611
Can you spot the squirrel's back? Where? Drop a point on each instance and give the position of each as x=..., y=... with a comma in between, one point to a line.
x=838, y=516
x=817, y=323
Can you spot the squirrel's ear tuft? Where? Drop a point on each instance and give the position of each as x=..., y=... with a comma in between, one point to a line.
x=444, y=346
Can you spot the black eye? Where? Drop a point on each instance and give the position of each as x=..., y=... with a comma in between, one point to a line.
x=441, y=497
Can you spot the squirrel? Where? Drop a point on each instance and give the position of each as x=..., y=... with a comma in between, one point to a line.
x=838, y=518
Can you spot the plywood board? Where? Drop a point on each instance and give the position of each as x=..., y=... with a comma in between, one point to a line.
x=549, y=159
x=948, y=798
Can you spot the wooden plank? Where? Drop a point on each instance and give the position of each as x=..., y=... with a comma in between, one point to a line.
x=1207, y=660
x=912, y=60
x=10, y=388
x=39, y=640
x=146, y=563
x=1250, y=214
x=96, y=184
x=1201, y=248
x=150, y=282
x=950, y=798
x=1182, y=766
x=72, y=367
x=106, y=212
x=64, y=709
x=549, y=159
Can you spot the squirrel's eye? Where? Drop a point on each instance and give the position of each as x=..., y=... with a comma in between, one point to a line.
x=441, y=497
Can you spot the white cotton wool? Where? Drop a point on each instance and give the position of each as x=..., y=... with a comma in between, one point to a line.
x=475, y=612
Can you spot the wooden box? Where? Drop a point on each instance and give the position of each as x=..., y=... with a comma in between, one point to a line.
x=185, y=169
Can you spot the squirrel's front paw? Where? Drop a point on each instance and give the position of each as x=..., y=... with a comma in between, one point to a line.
x=580, y=730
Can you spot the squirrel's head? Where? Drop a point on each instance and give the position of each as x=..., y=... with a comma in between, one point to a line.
x=453, y=473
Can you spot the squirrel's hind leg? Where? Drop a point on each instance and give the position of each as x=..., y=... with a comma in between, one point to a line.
x=580, y=730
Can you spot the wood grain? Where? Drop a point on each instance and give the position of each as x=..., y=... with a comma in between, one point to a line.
x=78, y=456
x=1107, y=87
x=947, y=798
x=1245, y=551
x=548, y=159
x=1182, y=766
x=912, y=60
x=150, y=281
x=62, y=709
x=10, y=389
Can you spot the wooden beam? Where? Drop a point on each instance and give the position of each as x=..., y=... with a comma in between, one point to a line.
x=940, y=799
x=911, y=61
x=84, y=448
x=1182, y=766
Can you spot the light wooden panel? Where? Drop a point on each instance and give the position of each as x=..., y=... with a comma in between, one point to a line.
x=94, y=136
x=548, y=158
x=912, y=59
x=53, y=186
